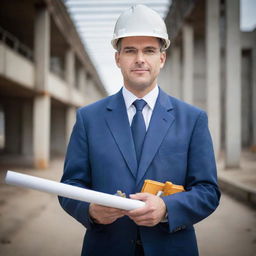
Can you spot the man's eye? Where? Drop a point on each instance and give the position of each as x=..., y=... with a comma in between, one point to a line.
x=129, y=51
x=150, y=51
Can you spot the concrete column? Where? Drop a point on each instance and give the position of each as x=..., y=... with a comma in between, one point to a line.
x=81, y=79
x=188, y=57
x=254, y=96
x=89, y=89
x=41, y=128
x=175, y=72
x=41, y=111
x=27, y=124
x=70, y=121
x=213, y=71
x=85, y=88
x=199, y=77
x=233, y=84
x=164, y=80
x=94, y=91
x=42, y=48
x=70, y=68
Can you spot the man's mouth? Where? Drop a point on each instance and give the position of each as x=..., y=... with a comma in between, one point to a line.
x=140, y=70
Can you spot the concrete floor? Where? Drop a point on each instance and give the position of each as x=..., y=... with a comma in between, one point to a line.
x=32, y=223
x=229, y=231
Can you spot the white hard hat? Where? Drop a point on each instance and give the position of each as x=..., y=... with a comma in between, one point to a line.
x=140, y=20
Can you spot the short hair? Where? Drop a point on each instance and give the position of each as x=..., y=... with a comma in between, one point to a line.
x=162, y=44
x=118, y=44
x=160, y=40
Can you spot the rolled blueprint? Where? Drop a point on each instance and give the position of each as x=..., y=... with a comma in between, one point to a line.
x=69, y=191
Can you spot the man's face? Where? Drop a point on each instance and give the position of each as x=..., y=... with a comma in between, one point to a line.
x=140, y=61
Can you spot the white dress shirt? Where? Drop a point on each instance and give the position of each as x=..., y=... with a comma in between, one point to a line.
x=147, y=111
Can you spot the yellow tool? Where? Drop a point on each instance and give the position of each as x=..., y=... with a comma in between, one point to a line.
x=164, y=189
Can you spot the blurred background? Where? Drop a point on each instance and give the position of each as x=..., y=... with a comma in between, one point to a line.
x=56, y=56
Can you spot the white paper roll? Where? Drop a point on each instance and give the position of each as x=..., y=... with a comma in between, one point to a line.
x=65, y=190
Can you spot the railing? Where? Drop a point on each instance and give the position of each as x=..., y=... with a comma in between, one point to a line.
x=14, y=43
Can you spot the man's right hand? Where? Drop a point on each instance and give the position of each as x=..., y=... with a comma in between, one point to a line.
x=104, y=215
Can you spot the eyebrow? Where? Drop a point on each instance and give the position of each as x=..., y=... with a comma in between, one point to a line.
x=151, y=47
x=129, y=47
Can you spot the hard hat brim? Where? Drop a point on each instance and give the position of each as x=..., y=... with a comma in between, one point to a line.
x=165, y=40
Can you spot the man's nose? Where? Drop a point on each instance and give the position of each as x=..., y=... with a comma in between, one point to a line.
x=140, y=57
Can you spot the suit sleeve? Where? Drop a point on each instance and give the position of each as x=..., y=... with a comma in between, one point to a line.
x=202, y=194
x=77, y=172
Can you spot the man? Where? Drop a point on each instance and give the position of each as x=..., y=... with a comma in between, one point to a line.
x=117, y=144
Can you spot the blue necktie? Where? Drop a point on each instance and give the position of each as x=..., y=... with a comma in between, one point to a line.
x=138, y=127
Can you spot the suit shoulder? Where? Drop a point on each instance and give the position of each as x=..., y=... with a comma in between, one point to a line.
x=188, y=114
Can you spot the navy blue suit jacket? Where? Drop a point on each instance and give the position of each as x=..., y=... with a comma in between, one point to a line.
x=177, y=148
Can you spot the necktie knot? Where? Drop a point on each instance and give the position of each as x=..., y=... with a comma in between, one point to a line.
x=139, y=104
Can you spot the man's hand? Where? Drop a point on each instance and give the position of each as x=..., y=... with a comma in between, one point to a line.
x=104, y=215
x=151, y=214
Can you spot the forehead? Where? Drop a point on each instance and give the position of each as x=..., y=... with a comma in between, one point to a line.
x=140, y=41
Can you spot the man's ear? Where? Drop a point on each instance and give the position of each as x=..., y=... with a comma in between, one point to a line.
x=117, y=58
x=162, y=59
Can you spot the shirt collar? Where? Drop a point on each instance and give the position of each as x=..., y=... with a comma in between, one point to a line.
x=150, y=98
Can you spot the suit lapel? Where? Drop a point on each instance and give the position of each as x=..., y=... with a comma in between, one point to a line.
x=118, y=124
x=160, y=122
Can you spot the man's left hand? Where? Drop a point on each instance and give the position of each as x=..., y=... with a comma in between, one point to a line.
x=149, y=215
